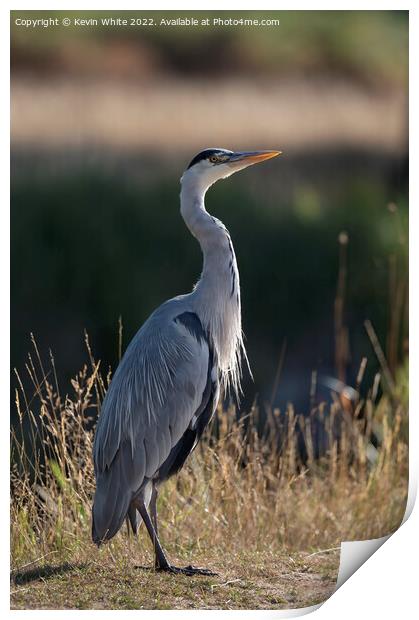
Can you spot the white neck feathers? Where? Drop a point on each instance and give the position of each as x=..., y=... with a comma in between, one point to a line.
x=216, y=296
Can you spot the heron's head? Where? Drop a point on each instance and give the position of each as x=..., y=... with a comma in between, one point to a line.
x=213, y=164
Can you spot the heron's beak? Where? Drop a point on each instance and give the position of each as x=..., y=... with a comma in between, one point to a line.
x=252, y=157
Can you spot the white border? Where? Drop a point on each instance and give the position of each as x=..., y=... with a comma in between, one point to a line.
x=386, y=585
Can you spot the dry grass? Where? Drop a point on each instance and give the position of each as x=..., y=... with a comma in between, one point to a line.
x=301, y=114
x=245, y=505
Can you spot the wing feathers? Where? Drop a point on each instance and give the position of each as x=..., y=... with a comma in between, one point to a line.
x=157, y=388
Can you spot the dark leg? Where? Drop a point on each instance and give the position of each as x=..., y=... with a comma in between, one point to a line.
x=161, y=562
x=153, y=508
x=153, y=514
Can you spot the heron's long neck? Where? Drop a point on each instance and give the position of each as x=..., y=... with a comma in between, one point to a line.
x=216, y=296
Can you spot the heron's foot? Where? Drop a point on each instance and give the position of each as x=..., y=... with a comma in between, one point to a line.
x=186, y=570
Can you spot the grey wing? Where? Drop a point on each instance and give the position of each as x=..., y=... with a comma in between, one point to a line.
x=157, y=389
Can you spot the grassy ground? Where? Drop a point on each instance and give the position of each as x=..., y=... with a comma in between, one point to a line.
x=253, y=504
x=263, y=580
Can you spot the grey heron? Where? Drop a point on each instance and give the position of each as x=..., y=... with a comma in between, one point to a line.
x=167, y=385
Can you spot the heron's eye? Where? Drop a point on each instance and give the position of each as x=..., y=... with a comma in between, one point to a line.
x=213, y=159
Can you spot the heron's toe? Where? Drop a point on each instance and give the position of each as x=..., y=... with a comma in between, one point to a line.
x=187, y=570
x=194, y=570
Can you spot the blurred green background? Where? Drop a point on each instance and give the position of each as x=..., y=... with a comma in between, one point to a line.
x=104, y=120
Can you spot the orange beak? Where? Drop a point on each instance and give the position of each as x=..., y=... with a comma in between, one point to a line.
x=253, y=157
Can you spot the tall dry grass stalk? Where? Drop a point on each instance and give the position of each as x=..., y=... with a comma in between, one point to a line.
x=268, y=480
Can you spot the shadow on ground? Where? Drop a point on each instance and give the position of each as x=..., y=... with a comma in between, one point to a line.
x=42, y=572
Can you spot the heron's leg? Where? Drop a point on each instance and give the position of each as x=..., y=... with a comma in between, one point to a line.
x=161, y=562
x=153, y=508
x=153, y=514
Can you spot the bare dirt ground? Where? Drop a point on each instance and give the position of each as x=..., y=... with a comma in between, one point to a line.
x=261, y=581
